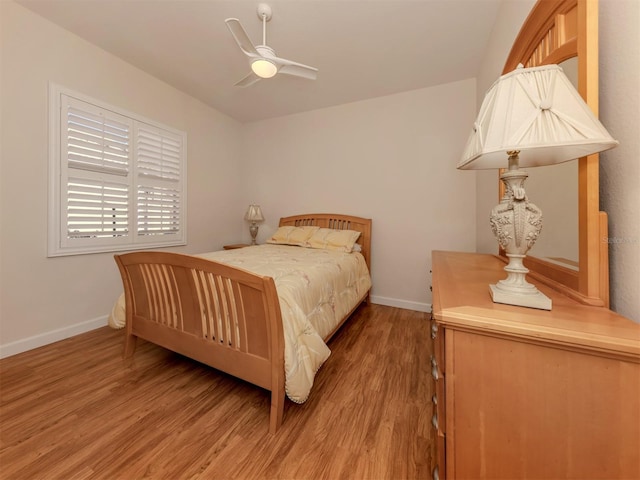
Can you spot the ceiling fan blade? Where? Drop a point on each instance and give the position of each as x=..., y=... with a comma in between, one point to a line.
x=297, y=69
x=241, y=37
x=248, y=80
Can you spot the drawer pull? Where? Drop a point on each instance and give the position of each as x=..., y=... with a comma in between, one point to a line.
x=434, y=331
x=436, y=473
x=434, y=368
x=434, y=399
x=434, y=421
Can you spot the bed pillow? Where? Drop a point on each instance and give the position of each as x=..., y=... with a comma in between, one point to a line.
x=290, y=235
x=329, y=239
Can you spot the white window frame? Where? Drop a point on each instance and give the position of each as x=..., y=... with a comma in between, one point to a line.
x=153, y=167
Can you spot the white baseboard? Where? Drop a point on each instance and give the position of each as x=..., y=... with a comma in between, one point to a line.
x=19, y=346
x=406, y=304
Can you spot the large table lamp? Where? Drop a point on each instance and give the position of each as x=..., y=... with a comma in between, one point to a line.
x=530, y=117
x=253, y=216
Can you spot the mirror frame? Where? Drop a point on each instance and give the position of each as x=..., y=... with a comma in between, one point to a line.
x=554, y=31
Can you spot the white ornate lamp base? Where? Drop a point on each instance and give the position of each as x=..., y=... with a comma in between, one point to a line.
x=515, y=290
x=516, y=223
x=253, y=230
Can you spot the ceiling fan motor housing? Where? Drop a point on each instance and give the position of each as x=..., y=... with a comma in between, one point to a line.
x=266, y=51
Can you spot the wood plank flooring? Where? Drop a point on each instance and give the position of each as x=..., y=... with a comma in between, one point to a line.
x=75, y=410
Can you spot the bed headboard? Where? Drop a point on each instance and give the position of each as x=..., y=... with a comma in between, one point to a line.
x=337, y=222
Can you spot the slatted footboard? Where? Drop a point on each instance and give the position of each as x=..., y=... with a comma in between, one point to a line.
x=219, y=315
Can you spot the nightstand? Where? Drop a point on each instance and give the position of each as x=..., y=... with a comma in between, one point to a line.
x=235, y=245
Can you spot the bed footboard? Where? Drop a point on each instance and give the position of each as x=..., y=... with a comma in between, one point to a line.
x=219, y=315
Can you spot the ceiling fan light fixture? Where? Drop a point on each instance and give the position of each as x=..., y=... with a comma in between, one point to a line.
x=263, y=60
x=264, y=68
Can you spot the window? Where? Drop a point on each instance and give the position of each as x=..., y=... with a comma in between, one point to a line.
x=117, y=181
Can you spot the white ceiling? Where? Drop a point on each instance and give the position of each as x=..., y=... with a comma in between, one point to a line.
x=362, y=48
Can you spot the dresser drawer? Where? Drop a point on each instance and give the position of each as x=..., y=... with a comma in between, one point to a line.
x=439, y=404
x=437, y=336
x=438, y=375
x=439, y=470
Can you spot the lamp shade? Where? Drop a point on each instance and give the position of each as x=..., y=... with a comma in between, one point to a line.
x=538, y=112
x=254, y=214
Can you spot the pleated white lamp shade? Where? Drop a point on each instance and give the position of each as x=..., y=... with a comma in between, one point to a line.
x=254, y=214
x=538, y=112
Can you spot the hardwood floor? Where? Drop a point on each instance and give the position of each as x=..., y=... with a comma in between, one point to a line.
x=75, y=410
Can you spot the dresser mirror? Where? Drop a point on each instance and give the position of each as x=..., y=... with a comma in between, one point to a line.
x=554, y=189
x=574, y=258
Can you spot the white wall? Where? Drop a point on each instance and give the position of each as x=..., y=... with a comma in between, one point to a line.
x=391, y=159
x=44, y=299
x=620, y=167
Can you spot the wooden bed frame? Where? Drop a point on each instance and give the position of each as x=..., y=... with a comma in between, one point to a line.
x=170, y=296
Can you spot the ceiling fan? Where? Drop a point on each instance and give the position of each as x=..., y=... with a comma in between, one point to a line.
x=263, y=59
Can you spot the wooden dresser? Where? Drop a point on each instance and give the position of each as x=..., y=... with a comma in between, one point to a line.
x=526, y=393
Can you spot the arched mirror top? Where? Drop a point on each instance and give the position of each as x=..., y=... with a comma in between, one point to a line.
x=549, y=35
x=555, y=31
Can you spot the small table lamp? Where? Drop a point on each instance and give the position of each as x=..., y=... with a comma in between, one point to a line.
x=254, y=215
x=529, y=117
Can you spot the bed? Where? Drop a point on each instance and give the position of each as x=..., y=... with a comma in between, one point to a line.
x=244, y=311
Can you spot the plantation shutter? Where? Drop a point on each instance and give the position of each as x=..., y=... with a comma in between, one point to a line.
x=96, y=139
x=158, y=187
x=97, y=208
x=96, y=145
